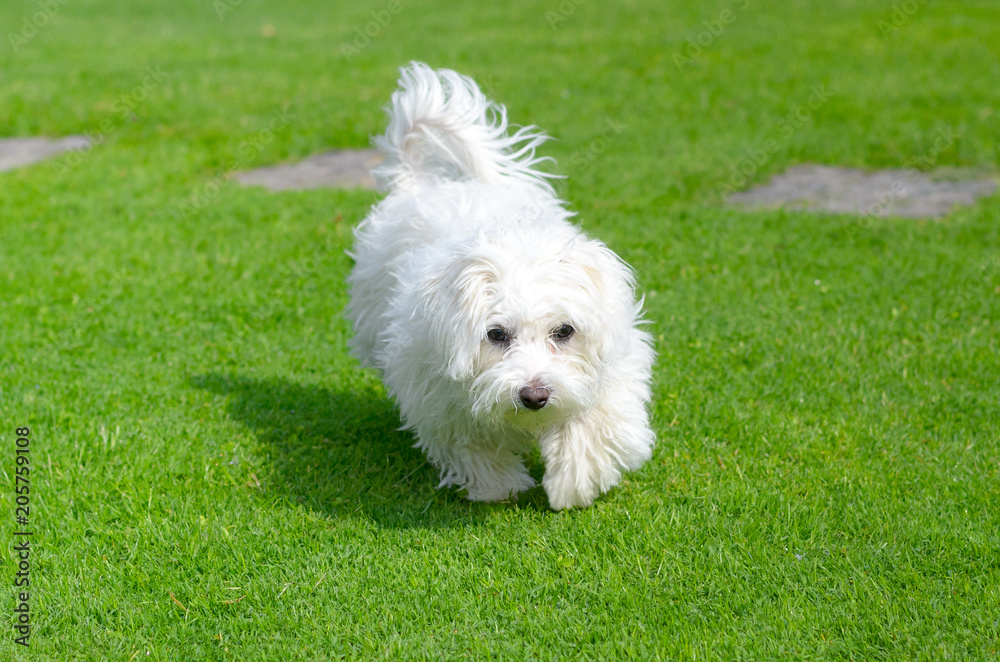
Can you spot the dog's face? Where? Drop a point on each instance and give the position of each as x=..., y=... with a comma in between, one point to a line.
x=533, y=367
x=530, y=329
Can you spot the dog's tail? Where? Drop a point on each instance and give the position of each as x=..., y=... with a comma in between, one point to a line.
x=443, y=128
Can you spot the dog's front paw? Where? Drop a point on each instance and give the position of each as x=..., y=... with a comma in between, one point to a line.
x=499, y=488
x=577, y=468
x=586, y=456
x=564, y=492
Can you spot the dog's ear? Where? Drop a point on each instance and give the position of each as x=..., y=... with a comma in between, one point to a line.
x=610, y=309
x=456, y=302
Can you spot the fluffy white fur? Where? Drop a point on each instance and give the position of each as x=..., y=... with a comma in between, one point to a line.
x=495, y=322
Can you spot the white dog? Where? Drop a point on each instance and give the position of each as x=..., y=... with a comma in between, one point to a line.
x=495, y=322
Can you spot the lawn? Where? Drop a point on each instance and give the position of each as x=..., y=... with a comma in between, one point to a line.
x=214, y=478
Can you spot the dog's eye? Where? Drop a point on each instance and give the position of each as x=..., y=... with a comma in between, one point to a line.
x=497, y=335
x=563, y=332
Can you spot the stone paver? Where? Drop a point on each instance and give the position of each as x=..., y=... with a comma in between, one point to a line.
x=338, y=169
x=907, y=193
x=18, y=152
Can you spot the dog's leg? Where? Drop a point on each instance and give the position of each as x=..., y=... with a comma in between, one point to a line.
x=586, y=456
x=487, y=471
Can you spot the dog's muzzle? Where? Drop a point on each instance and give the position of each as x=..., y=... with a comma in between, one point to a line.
x=534, y=397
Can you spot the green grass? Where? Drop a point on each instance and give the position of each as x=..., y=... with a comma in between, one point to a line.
x=215, y=478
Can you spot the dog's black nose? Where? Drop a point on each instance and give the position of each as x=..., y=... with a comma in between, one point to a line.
x=534, y=397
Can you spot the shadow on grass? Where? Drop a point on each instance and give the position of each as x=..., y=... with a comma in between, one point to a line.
x=340, y=452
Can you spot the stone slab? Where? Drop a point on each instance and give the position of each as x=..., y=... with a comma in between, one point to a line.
x=903, y=192
x=337, y=169
x=18, y=152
